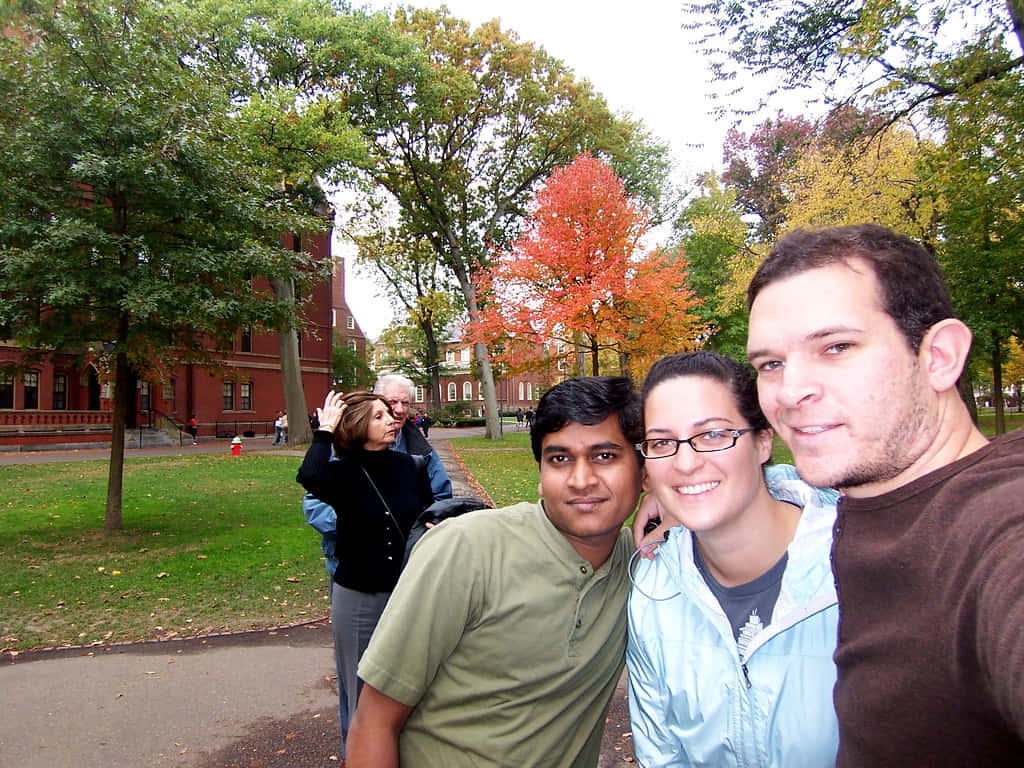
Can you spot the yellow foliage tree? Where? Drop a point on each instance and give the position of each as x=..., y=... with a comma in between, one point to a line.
x=871, y=179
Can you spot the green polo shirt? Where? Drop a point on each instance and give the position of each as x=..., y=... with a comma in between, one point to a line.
x=507, y=643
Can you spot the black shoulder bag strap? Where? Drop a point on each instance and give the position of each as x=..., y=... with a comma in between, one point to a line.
x=386, y=507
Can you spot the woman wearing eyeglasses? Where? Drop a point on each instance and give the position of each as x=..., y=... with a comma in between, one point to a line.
x=732, y=623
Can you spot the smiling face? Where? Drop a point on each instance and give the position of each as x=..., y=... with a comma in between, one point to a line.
x=590, y=483
x=838, y=381
x=706, y=492
x=381, y=428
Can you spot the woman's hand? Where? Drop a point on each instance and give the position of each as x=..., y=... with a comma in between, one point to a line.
x=330, y=414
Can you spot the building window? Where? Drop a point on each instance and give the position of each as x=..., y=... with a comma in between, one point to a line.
x=169, y=391
x=353, y=345
x=144, y=401
x=247, y=340
x=479, y=390
x=453, y=392
x=464, y=355
x=522, y=391
x=60, y=391
x=350, y=323
x=467, y=390
x=449, y=355
x=228, y=394
x=419, y=394
x=31, y=390
x=529, y=391
x=6, y=390
x=245, y=396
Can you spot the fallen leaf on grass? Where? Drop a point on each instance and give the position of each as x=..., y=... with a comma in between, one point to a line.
x=162, y=574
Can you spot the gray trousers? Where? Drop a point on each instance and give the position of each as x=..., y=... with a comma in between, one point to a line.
x=353, y=617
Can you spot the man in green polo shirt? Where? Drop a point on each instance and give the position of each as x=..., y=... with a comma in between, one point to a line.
x=505, y=637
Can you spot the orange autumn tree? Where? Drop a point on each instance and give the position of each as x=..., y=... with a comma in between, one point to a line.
x=579, y=280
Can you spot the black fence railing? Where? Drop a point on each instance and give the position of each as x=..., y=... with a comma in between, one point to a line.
x=242, y=428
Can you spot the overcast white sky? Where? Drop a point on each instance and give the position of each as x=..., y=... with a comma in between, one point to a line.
x=635, y=53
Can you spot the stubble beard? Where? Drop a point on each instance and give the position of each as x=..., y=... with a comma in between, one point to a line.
x=903, y=445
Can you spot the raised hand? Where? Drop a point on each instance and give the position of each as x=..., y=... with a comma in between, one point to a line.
x=330, y=413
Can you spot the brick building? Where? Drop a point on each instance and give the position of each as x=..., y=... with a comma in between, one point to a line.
x=461, y=390
x=67, y=400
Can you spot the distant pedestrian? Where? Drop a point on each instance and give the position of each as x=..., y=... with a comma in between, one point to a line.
x=193, y=429
x=519, y=420
x=278, y=428
x=529, y=418
x=425, y=423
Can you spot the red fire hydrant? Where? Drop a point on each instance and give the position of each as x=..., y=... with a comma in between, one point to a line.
x=236, y=446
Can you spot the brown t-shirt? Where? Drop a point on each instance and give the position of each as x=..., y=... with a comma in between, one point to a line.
x=931, y=634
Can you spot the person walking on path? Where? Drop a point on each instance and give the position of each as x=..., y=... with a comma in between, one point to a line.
x=278, y=428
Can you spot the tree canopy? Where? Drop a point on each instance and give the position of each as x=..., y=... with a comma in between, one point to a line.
x=578, y=278
x=133, y=213
x=898, y=56
x=461, y=141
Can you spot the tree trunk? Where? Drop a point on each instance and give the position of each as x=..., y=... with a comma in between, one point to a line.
x=966, y=387
x=299, y=432
x=433, y=362
x=492, y=419
x=997, y=386
x=115, y=475
x=580, y=355
x=625, y=367
x=1016, y=8
x=595, y=357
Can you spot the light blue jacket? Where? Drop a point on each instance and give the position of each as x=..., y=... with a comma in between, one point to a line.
x=324, y=519
x=693, y=700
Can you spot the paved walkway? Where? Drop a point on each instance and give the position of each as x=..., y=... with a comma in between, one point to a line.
x=252, y=700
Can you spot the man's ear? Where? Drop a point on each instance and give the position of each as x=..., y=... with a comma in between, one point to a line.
x=540, y=489
x=644, y=479
x=944, y=351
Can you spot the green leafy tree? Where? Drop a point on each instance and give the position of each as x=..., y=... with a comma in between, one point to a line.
x=461, y=142
x=979, y=170
x=416, y=280
x=712, y=235
x=132, y=212
x=896, y=56
x=349, y=369
x=405, y=351
x=287, y=63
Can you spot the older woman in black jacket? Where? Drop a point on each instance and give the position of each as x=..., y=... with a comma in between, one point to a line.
x=377, y=494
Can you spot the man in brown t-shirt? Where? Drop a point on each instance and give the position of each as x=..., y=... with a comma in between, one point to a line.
x=858, y=356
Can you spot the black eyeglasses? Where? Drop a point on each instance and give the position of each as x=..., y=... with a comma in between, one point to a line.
x=705, y=442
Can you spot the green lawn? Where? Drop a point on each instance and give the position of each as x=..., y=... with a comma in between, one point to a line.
x=210, y=543
x=506, y=468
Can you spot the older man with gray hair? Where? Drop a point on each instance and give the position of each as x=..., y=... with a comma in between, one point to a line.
x=400, y=392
